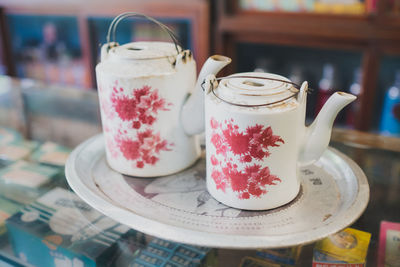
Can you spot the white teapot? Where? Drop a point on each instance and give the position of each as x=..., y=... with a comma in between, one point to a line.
x=256, y=138
x=150, y=118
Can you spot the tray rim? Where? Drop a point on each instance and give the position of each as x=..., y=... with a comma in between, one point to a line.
x=110, y=208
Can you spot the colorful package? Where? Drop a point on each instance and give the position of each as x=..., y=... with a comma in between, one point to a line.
x=283, y=256
x=59, y=229
x=170, y=254
x=389, y=244
x=23, y=181
x=51, y=153
x=346, y=248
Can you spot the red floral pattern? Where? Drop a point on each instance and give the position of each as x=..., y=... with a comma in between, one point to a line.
x=144, y=149
x=139, y=112
x=251, y=144
x=142, y=108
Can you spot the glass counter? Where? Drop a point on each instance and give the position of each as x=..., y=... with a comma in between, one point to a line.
x=53, y=227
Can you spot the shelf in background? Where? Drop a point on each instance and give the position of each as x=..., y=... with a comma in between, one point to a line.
x=355, y=30
x=373, y=35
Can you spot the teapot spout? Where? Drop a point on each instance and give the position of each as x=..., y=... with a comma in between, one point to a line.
x=192, y=113
x=318, y=133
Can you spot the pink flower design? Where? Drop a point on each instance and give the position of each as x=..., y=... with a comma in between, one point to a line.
x=219, y=180
x=214, y=160
x=251, y=144
x=139, y=110
x=214, y=124
x=144, y=149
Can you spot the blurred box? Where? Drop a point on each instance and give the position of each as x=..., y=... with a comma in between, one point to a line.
x=347, y=248
x=50, y=153
x=389, y=244
x=7, y=136
x=13, y=147
x=23, y=181
x=59, y=229
x=17, y=150
x=164, y=253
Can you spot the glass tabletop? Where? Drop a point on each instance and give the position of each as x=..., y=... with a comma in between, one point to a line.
x=43, y=223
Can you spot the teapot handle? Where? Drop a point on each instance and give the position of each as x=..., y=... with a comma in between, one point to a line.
x=113, y=27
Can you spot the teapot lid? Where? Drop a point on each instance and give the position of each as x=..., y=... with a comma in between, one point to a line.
x=257, y=89
x=144, y=50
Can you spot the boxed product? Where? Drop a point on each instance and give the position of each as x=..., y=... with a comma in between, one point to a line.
x=389, y=244
x=17, y=150
x=23, y=181
x=59, y=229
x=347, y=248
x=282, y=256
x=164, y=253
x=51, y=153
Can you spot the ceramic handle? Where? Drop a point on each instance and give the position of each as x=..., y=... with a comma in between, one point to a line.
x=113, y=27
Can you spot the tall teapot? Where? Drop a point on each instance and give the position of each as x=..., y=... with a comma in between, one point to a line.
x=149, y=109
x=256, y=138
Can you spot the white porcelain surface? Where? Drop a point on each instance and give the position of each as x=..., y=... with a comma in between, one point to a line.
x=334, y=193
x=254, y=152
x=143, y=89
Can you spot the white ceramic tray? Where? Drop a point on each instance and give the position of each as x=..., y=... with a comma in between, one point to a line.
x=334, y=194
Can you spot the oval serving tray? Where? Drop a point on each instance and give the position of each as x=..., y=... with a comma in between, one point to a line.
x=333, y=195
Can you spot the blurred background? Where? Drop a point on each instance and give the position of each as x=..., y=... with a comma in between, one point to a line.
x=346, y=45
x=49, y=105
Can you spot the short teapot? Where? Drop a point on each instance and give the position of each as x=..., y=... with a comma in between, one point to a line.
x=256, y=138
x=149, y=109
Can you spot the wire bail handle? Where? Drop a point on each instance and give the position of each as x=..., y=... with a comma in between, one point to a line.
x=113, y=27
x=294, y=92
